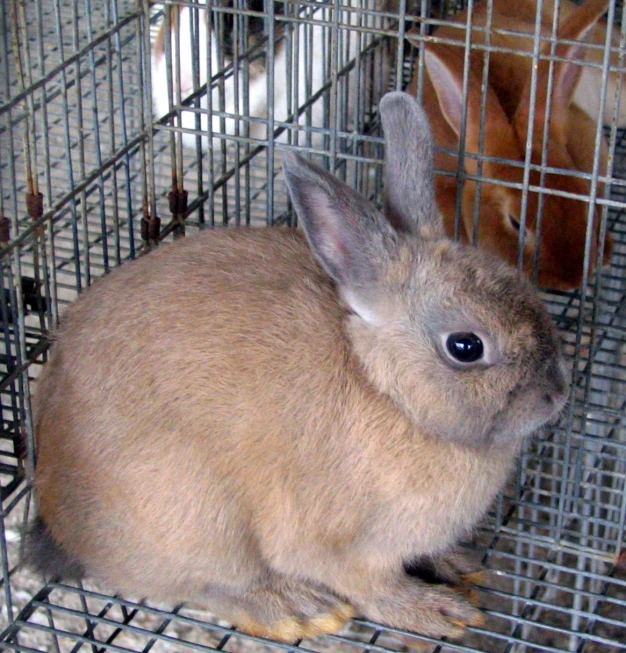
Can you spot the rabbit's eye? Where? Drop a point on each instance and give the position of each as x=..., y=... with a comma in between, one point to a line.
x=514, y=223
x=465, y=347
x=529, y=237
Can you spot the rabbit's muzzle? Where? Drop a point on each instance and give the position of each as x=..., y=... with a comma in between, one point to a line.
x=533, y=405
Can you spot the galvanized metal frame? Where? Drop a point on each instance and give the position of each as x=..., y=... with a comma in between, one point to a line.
x=86, y=184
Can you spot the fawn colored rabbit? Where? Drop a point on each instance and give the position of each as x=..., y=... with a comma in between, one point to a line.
x=276, y=429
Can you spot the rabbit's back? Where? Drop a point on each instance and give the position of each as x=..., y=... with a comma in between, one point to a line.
x=183, y=305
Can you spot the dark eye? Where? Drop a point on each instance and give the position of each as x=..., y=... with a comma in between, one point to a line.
x=514, y=223
x=465, y=347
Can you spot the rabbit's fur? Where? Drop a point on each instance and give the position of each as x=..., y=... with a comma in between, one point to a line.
x=300, y=70
x=274, y=428
x=558, y=241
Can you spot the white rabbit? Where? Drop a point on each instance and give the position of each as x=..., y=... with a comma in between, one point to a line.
x=302, y=55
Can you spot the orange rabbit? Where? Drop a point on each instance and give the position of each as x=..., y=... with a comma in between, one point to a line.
x=557, y=240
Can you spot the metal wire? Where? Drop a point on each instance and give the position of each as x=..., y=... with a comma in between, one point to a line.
x=76, y=125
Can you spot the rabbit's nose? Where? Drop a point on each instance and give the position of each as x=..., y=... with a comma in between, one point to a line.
x=555, y=392
x=556, y=399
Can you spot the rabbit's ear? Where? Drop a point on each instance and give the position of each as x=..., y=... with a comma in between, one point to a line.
x=351, y=239
x=578, y=28
x=410, y=204
x=444, y=65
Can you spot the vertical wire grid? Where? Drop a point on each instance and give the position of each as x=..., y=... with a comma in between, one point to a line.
x=464, y=126
x=483, y=125
x=530, y=135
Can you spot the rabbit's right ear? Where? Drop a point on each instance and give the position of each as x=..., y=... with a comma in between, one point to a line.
x=570, y=51
x=410, y=204
x=351, y=239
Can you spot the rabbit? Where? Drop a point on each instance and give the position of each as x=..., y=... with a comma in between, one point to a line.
x=280, y=425
x=306, y=66
x=571, y=144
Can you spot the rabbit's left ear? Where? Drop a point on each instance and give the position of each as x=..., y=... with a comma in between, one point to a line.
x=578, y=28
x=350, y=238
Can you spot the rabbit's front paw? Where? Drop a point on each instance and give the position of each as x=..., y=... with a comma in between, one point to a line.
x=446, y=613
x=289, y=613
x=454, y=569
x=434, y=610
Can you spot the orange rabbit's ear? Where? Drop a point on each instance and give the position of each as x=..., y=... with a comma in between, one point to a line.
x=577, y=28
x=445, y=67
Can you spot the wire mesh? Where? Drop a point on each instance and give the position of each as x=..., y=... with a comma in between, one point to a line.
x=90, y=179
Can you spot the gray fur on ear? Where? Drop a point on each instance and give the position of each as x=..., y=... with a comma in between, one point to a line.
x=410, y=204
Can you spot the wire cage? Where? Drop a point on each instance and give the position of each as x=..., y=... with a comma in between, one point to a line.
x=114, y=138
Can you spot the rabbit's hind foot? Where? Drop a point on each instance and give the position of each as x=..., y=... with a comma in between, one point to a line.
x=292, y=629
x=288, y=610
